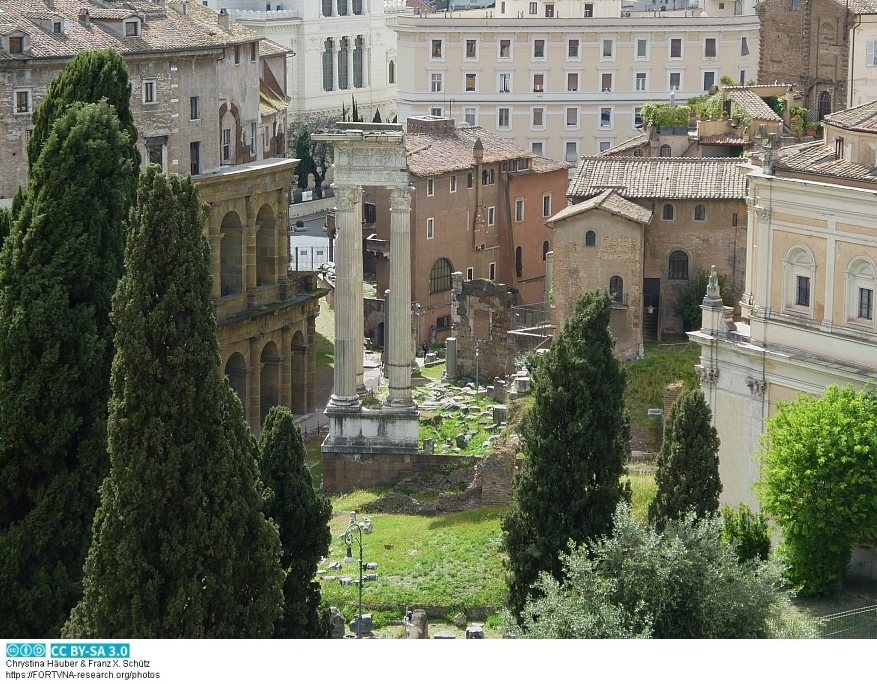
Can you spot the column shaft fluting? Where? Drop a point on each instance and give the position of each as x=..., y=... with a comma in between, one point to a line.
x=399, y=357
x=348, y=295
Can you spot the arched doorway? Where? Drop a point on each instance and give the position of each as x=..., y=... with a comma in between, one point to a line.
x=236, y=372
x=824, y=105
x=266, y=246
x=230, y=255
x=269, y=380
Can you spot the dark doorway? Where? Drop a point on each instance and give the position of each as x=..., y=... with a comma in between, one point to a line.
x=651, y=309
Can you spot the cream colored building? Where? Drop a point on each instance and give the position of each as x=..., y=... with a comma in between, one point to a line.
x=566, y=85
x=342, y=50
x=808, y=316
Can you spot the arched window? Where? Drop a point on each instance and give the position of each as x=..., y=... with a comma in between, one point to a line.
x=861, y=277
x=545, y=248
x=590, y=239
x=678, y=266
x=357, y=62
x=824, y=105
x=440, y=276
x=637, y=153
x=665, y=151
x=616, y=290
x=799, y=272
x=667, y=213
x=699, y=212
x=343, y=83
x=327, y=8
x=391, y=72
x=328, y=65
x=519, y=262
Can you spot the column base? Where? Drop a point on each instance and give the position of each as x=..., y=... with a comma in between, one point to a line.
x=343, y=404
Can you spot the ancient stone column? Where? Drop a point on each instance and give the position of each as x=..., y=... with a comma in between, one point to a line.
x=348, y=297
x=360, y=310
x=249, y=246
x=398, y=336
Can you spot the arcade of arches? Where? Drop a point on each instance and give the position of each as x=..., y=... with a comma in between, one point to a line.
x=266, y=317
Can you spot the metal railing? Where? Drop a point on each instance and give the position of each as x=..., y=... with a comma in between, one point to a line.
x=858, y=623
x=529, y=316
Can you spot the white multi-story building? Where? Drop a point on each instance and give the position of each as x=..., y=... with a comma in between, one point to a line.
x=566, y=78
x=342, y=50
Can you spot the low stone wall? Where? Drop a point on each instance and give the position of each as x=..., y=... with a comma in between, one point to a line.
x=348, y=472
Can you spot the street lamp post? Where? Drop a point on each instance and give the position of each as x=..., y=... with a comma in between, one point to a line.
x=348, y=537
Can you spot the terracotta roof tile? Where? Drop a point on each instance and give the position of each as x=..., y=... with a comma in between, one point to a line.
x=660, y=177
x=861, y=118
x=750, y=102
x=634, y=143
x=610, y=201
x=723, y=139
x=818, y=158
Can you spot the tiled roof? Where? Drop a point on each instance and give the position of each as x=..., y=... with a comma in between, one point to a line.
x=861, y=118
x=610, y=201
x=722, y=139
x=268, y=48
x=748, y=100
x=859, y=6
x=430, y=154
x=163, y=28
x=634, y=143
x=543, y=165
x=818, y=158
x=660, y=177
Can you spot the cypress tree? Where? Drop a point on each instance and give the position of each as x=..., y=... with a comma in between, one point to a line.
x=58, y=269
x=180, y=546
x=688, y=463
x=89, y=77
x=302, y=517
x=575, y=440
x=377, y=117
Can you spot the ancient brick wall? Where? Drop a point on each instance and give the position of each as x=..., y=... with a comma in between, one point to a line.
x=348, y=472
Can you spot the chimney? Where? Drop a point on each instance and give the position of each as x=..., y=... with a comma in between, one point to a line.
x=84, y=17
x=50, y=4
x=478, y=151
x=222, y=18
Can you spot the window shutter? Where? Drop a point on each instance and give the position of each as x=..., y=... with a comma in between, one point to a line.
x=869, y=60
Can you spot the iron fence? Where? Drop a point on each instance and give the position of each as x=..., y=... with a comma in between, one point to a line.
x=528, y=316
x=858, y=623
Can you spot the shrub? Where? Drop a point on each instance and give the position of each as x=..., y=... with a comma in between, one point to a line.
x=746, y=532
x=688, y=306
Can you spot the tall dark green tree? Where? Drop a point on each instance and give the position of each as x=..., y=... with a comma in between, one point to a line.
x=180, y=545
x=575, y=440
x=58, y=270
x=687, y=475
x=89, y=77
x=302, y=517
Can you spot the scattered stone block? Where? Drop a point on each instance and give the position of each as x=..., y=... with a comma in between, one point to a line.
x=418, y=627
x=366, y=623
x=444, y=635
x=460, y=621
x=336, y=621
x=475, y=631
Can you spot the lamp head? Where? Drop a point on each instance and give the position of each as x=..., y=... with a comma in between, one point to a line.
x=349, y=557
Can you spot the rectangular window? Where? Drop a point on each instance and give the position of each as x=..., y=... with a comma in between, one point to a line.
x=795, y=5
x=546, y=206
x=538, y=83
x=870, y=58
x=430, y=228
x=453, y=184
x=589, y=10
x=549, y=11
x=132, y=29
x=266, y=141
x=572, y=48
x=605, y=145
x=537, y=148
x=469, y=180
x=237, y=54
x=605, y=117
x=226, y=145
x=435, y=83
x=253, y=51
x=195, y=158
x=642, y=48
x=742, y=77
x=470, y=273
x=470, y=83
x=155, y=153
x=571, y=151
x=491, y=271
x=641, y=81
x=148, y=92
x=709, y=79
x=802, y=291
x=608, y=48
x=491, y=215
x=16, y=45
x=471, y=49
x=253, y=136
x=430, y=187
x=436, y=52
x=572, y=116
x=637, y=117
x=675, y=80
x=572, y=83
x=22, y=102
x=194, y=108
x=539, y=49
x=371, y=212
x=675, y=48
x=519, y=210
x=505, y=49
x=606, y=83
x=534, y=7
x=709, y=47
x=469, y=115
x=436, y=111
x=503, y=117
x=538, y=120
x=866, y=303
x=505, y=83
x=744, y=47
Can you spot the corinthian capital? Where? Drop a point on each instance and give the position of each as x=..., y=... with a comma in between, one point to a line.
x=400, y=199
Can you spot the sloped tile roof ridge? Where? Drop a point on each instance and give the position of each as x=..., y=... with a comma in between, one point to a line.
x=608, y=200
x=860, y=118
